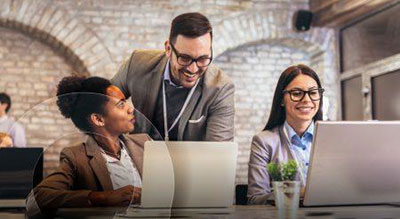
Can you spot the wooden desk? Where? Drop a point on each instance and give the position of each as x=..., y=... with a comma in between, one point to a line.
x=239, y=212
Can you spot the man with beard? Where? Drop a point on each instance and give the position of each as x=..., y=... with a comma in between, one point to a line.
x=184, y=96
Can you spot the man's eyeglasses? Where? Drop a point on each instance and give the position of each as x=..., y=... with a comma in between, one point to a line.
x=186, y=60
x=297, y=95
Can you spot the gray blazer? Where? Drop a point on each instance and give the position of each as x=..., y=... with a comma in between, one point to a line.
x=209, y=115
x=267, y=146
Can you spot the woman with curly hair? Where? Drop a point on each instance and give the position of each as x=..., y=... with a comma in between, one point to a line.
x=106, y=169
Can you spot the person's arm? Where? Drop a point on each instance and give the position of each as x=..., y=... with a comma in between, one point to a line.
x=259, y=188
x=220, y=120
x=57, y=189
x=18, y=135
x=120, y=197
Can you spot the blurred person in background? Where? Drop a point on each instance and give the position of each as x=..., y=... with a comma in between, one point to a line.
x=8, y=125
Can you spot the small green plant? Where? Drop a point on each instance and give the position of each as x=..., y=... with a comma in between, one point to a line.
x=283, y=171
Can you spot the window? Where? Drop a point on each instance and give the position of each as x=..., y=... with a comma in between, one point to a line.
x=370, y=66
x=371, y=39
x=352, y=105
x=386, y=96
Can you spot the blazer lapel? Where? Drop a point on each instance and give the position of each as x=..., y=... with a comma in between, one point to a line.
x=153, y=86
x=135, y=151
x=98, y=164
x=285, y=142
x=189, y=109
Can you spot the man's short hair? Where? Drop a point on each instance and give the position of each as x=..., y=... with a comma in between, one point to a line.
x=4, y=98
x=190, y=25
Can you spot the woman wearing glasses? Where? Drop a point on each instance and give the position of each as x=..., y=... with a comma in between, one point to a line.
x=297, y=104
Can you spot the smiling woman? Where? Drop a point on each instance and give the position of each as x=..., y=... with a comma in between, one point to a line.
x=288, y=135
x=106, y=169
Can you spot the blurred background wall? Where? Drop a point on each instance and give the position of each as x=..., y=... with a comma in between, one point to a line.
x=42, y=41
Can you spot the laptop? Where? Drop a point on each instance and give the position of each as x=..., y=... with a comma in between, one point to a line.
x=354, y=163
x=21, y=169
x=188, y=174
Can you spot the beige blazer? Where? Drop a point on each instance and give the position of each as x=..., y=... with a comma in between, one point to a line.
x=83, y=169
x=209, y=115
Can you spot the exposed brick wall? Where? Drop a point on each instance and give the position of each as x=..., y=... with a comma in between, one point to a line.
x=251, y=38
x=29, y=73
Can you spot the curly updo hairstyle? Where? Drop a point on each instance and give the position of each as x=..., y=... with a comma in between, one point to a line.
x=79, y=97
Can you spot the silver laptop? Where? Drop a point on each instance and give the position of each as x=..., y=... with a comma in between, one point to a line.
x=188, y=174
x=354, y=163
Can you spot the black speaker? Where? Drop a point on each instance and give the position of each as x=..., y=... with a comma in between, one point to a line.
x=302, y=20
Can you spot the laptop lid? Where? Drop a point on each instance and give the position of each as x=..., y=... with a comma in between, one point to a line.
x=20, y=170
x=354, y=163
x=188, y=174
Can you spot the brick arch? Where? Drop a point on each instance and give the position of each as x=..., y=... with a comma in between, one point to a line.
x=297, y=43
x=38, y=19
x=275, y=26
x=321, y=51
x=266, y=26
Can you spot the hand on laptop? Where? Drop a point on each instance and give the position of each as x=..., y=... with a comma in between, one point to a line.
x=119, y=197
x=136, y=195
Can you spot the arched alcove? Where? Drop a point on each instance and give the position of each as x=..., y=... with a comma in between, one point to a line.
x=56, y=27
x=30, y=72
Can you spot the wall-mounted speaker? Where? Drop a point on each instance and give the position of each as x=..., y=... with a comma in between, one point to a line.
x=302, y=20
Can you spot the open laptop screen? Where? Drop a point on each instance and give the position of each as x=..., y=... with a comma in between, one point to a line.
x=354, y=163
x=20, y=170
x=185, y=174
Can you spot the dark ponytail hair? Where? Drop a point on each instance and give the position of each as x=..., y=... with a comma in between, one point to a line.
x=79, y=97
x=278, y=115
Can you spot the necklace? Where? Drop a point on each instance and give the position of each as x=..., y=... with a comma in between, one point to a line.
x=118, y=155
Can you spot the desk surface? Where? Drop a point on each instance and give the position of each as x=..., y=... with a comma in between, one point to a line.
x=238, y=211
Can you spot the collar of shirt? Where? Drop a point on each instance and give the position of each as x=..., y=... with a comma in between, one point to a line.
x=3, y=118
x=167, y=76
x=110, y=159
x=303, y=141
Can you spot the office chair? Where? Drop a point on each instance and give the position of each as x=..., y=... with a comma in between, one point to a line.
x=241, y=194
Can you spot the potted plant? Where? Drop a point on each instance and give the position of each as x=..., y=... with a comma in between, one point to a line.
x=286, y=189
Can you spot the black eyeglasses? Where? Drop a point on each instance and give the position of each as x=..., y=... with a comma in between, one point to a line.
x=186, y=60
x=297, y=95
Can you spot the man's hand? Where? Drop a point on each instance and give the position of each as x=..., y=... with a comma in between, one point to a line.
x=119, y=197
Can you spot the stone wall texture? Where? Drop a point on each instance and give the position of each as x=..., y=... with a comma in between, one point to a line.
x=42, y=41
